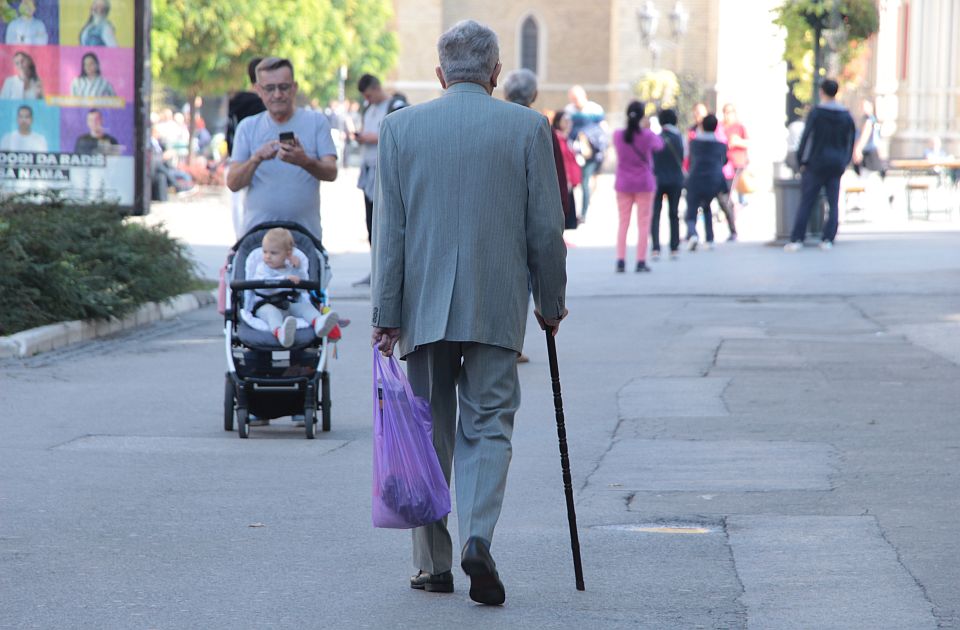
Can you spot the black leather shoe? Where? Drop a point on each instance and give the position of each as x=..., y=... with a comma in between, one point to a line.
x=439, y=583
x=485, y=584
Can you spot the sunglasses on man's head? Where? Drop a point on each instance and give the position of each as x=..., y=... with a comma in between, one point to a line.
x=277, y=87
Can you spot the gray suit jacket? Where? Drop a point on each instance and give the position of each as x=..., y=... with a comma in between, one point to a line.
x=467, y=208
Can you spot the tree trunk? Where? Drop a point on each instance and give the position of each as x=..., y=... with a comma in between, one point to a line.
x=192, y=127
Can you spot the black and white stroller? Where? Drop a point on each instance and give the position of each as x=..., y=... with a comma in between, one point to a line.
x=265, y=379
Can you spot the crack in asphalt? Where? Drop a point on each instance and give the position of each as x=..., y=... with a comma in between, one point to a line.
x=941, y=621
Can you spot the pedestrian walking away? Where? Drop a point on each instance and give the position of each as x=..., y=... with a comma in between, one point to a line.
x=520, y=87
x=705, y=180
x=723, y=196
x=561, y=129
x=635, y=183
x=669, y=172
x=826, y=149
x=467, y=212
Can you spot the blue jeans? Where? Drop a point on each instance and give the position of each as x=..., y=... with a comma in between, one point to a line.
x=810, y=184
x=587, y=171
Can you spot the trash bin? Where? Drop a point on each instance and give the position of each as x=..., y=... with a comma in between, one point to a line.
x=787, y=196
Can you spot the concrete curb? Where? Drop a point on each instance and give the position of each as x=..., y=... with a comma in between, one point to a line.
x=45, y=338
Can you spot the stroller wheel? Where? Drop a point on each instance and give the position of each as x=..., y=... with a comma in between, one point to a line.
x=228, y=403
x=243, y=423
x=325, y=400
x=310, y=421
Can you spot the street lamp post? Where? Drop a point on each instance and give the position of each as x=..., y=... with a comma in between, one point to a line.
x=342, y=84
x=648, y=19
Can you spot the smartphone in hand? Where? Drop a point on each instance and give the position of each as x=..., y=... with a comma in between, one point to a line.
x=287, y=137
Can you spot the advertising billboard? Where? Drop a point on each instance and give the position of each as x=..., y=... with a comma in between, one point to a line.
x=71, y=113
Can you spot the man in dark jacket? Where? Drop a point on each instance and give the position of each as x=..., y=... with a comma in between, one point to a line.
x=705, y=180
x=668, y=168
x=243, y=104
x=825, y=150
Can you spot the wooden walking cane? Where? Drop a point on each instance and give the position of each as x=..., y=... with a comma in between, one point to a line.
x=564, y=458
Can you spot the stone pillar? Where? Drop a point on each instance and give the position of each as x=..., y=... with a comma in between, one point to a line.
x=929, y=95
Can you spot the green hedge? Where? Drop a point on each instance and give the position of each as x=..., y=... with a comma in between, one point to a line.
x=61, y=261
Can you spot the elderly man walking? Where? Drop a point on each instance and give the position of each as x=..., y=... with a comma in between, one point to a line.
x=467, y=208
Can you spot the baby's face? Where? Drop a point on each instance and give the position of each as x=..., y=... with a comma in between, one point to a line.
x=274, y=255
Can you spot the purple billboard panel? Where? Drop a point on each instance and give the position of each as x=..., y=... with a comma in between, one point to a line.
x=97, y=130
x=37, y=24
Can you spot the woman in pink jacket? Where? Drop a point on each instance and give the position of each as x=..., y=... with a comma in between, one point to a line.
x=635, y=183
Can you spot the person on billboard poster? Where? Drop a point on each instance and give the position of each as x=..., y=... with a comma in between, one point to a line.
x=96, y=140
x=25, y=83
x=24, y=138
x=98, y=31
x=27, y=29
x=91, y=82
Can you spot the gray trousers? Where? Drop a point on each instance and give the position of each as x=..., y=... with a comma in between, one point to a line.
x=482, y=380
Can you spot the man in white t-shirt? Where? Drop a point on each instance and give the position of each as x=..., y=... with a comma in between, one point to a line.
x=24, y=138
x=26, y=29
x=377, y=103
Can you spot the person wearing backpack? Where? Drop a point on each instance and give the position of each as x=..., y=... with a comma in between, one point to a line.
x=588, y=136
x=668, y=169
x=379, y=104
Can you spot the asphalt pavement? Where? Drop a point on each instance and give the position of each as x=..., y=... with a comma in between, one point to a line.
x=758, y=440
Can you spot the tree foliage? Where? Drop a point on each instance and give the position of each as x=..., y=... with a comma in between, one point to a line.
x=7, y=12
x=662, y=89
x=858, y=21
x=204, y=47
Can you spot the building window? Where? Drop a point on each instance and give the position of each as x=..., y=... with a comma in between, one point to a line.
x=529, y=44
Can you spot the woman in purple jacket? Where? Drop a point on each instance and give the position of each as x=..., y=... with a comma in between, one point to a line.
x=635, y=183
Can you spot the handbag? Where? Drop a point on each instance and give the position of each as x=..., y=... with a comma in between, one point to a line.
x=586, y=149
x=409, y=487
x=746, y=182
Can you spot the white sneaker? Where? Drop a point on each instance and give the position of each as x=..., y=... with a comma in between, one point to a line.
x=325, y=323
x=708, y=246
x=692, y=242
x=826, y=245
x=792, y=247
x=287, y=332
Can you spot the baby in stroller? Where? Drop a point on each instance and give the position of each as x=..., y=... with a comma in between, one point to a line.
x=278, y=357
x=280, y=308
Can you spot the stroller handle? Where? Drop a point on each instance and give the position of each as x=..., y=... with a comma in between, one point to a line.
x=248, y=285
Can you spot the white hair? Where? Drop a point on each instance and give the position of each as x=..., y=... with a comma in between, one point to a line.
x=520, y=87
x=469, y=51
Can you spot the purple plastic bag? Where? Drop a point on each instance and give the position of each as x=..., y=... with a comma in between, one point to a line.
x=409, y=489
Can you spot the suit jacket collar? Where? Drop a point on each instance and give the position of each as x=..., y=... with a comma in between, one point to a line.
x=459, y=88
